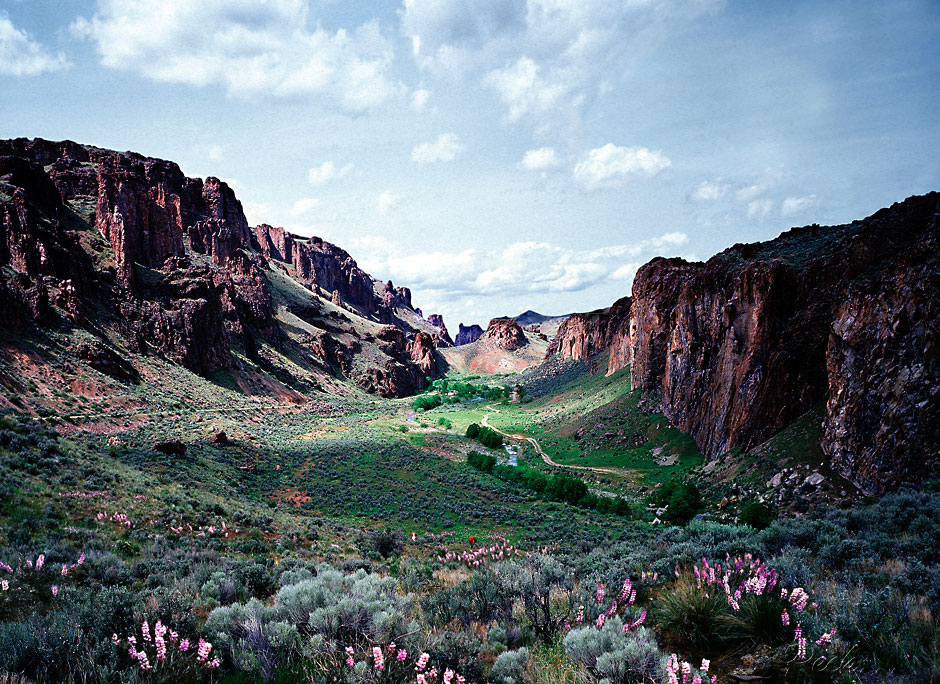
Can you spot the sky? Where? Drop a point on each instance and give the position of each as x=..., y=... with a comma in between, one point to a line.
x=501, y=155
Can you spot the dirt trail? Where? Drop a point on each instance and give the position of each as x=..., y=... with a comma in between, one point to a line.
x=545, y=457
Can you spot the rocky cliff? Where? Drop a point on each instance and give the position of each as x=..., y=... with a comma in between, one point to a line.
x=582, y=335
x=116, y=240
x=467, y=334
x=442, y=338
x=505, y=333
x=745, y=343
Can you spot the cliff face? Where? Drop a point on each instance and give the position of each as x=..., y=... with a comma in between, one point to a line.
x=467, y=334
x=505, y=333
x=582, y=335
x=442, y=338
x=171, y=259
x=742, y=345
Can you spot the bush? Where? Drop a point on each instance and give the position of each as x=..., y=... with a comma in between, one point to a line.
x=426, y=402
x=757, y=515
x=482, y=598
x=482, y=462
x=694, y=618
x=611, y=654
x=508, y=667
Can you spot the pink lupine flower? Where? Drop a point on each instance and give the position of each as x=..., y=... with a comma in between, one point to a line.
x=55, y=590
x=580, y=617
x=214, y=663
x=402, y=654
x=422, y=662
x=161, y=648
x=706, y=663
x=145, y=630
x=81, y=559
x=697, y=679
x=203, y=650
x=379, y=658
x=799, y=599
x=40, y=561
x=4, y=585
x=184, y=645
x=599, y=595
x=421, y=679
x=350, y=662
x=65, y=570
x=461, y=679
x=143, y=660
x=601, y=619
x=826, y=638
x=448, y=675
x=785, y=618
x=114, y=639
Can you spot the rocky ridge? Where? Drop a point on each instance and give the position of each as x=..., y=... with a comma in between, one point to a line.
x=739, y=347
x=172, y=262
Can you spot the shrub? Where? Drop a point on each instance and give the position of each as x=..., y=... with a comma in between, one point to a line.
x=757, y=515
x=482, y=598
x=621, y=658
x=692, y=617
x=508, y=667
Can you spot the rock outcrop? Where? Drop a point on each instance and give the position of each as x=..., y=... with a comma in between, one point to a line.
x=582, y=335
x=505, y=333
x=120, y=242
x=742, y=345
x=442, y=338
x=422, y=351
x=467, y=334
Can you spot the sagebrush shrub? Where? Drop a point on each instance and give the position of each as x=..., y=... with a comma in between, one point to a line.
x=631, y=657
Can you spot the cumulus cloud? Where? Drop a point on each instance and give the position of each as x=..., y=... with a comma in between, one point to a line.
x=419, y=99
x=759, y=208
x=710, y=190
x=525, y=90
x=327, y=171
x=387, y=201
x=304, y=206
x=20, y=55
x=542, y=158
x=544, y=57
x=797, y=205
x=250, y=48
x=445, y=148
x=611, y=165
x=529, y=267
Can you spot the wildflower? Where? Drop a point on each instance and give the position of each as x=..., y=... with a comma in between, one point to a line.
x=203, y=650
x=114, y=639
x=379, y=658
x=826, y=638
x=599, y=595
x=184, y=645
x=421, y=679
x=143, y=660
x=706, y=663
x=145, y=630
x=65, y=570
x=448, y=675
x=55, y=590
x=161, y=648
x=601, y=619
x=5, y=585
x=402, y=654
x=40, y=561
x=214, y=663
x=785, y=618
x=799, y=599
x=422, y=662
x=580, y=617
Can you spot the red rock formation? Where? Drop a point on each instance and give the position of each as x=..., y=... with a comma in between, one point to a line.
x=319, y=263
x=467, y=334
x=422, y=352
x=738, y=346
x=442, y=339
x=582, y=335
x=505, y=333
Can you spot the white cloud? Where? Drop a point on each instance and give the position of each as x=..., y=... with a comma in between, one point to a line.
x=750, y=192
x=524, y=90
x=759, y=208
x=445, y=148
x=304, y=206
x=250, y=48
x=215, y=153
x=419, y=99
x=327, y=171
x=20, y=55
x=520, y=268
x=387, y=201
x=542, y=158
x=611, y=165
x=546, y=58
x=710, y=190
x=797, y=205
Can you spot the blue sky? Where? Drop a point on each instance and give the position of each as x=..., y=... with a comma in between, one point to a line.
x=501, y=155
